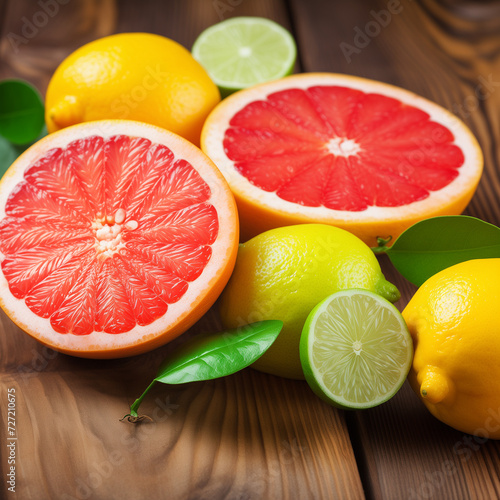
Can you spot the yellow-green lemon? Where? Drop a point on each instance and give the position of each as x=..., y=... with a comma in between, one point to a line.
x=285, y=272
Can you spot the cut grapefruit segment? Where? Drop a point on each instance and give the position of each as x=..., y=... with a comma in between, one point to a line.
x=354, y=153
x=115, y=237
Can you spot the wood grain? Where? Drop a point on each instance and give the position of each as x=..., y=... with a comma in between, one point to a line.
x=252, y=436
x=35, y=40
x=246, y=436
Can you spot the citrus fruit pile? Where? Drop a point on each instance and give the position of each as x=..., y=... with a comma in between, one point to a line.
x=117, y=233
x=116, y=236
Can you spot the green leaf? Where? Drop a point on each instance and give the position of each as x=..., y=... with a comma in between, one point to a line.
x=9, y=152
x=21, y=112
x=206, y=357
x=432, y=245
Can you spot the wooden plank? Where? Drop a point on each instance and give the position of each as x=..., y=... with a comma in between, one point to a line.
x=38, y=36
x=3, y=15
x=447, y=52
x=244, y=436
x=183, y=21
x=407, y=453
x=247, y=436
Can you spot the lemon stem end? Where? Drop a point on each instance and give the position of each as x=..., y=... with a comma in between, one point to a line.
x=381, y=245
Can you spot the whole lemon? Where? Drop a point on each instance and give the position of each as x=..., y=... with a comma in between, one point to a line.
x=285, y=272
x=135, y=76
x=453, y=319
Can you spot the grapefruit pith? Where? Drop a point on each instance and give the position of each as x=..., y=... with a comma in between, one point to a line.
x=115, y=237
x=336, y=149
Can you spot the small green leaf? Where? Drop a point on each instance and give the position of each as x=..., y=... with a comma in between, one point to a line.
x=9, y=152
x=21, y=112
x=432, y=245
x=206, y=357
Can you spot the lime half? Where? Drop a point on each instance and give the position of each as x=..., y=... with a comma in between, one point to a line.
x=355, y=349
x=244, y=51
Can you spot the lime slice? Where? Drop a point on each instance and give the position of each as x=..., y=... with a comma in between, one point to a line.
x=244, y=51
x=355, y=349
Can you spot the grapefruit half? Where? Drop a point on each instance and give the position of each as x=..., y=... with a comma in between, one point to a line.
x=341, y=150
x=115, y=237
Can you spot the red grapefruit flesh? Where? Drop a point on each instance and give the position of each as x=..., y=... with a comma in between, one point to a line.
x=362, y=155
x=115, y=237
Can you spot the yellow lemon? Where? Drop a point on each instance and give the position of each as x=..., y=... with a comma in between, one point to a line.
x=285, y=272
x=135, y=76
x=453, y=319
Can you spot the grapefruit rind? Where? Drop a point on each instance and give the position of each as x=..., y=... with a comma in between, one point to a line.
x=260, y=210
x=181, y=315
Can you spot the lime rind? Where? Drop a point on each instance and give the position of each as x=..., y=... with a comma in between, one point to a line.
x=244, y=51
x=355, y=349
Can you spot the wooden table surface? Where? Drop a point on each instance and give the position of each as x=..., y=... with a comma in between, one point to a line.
x=251, y=435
